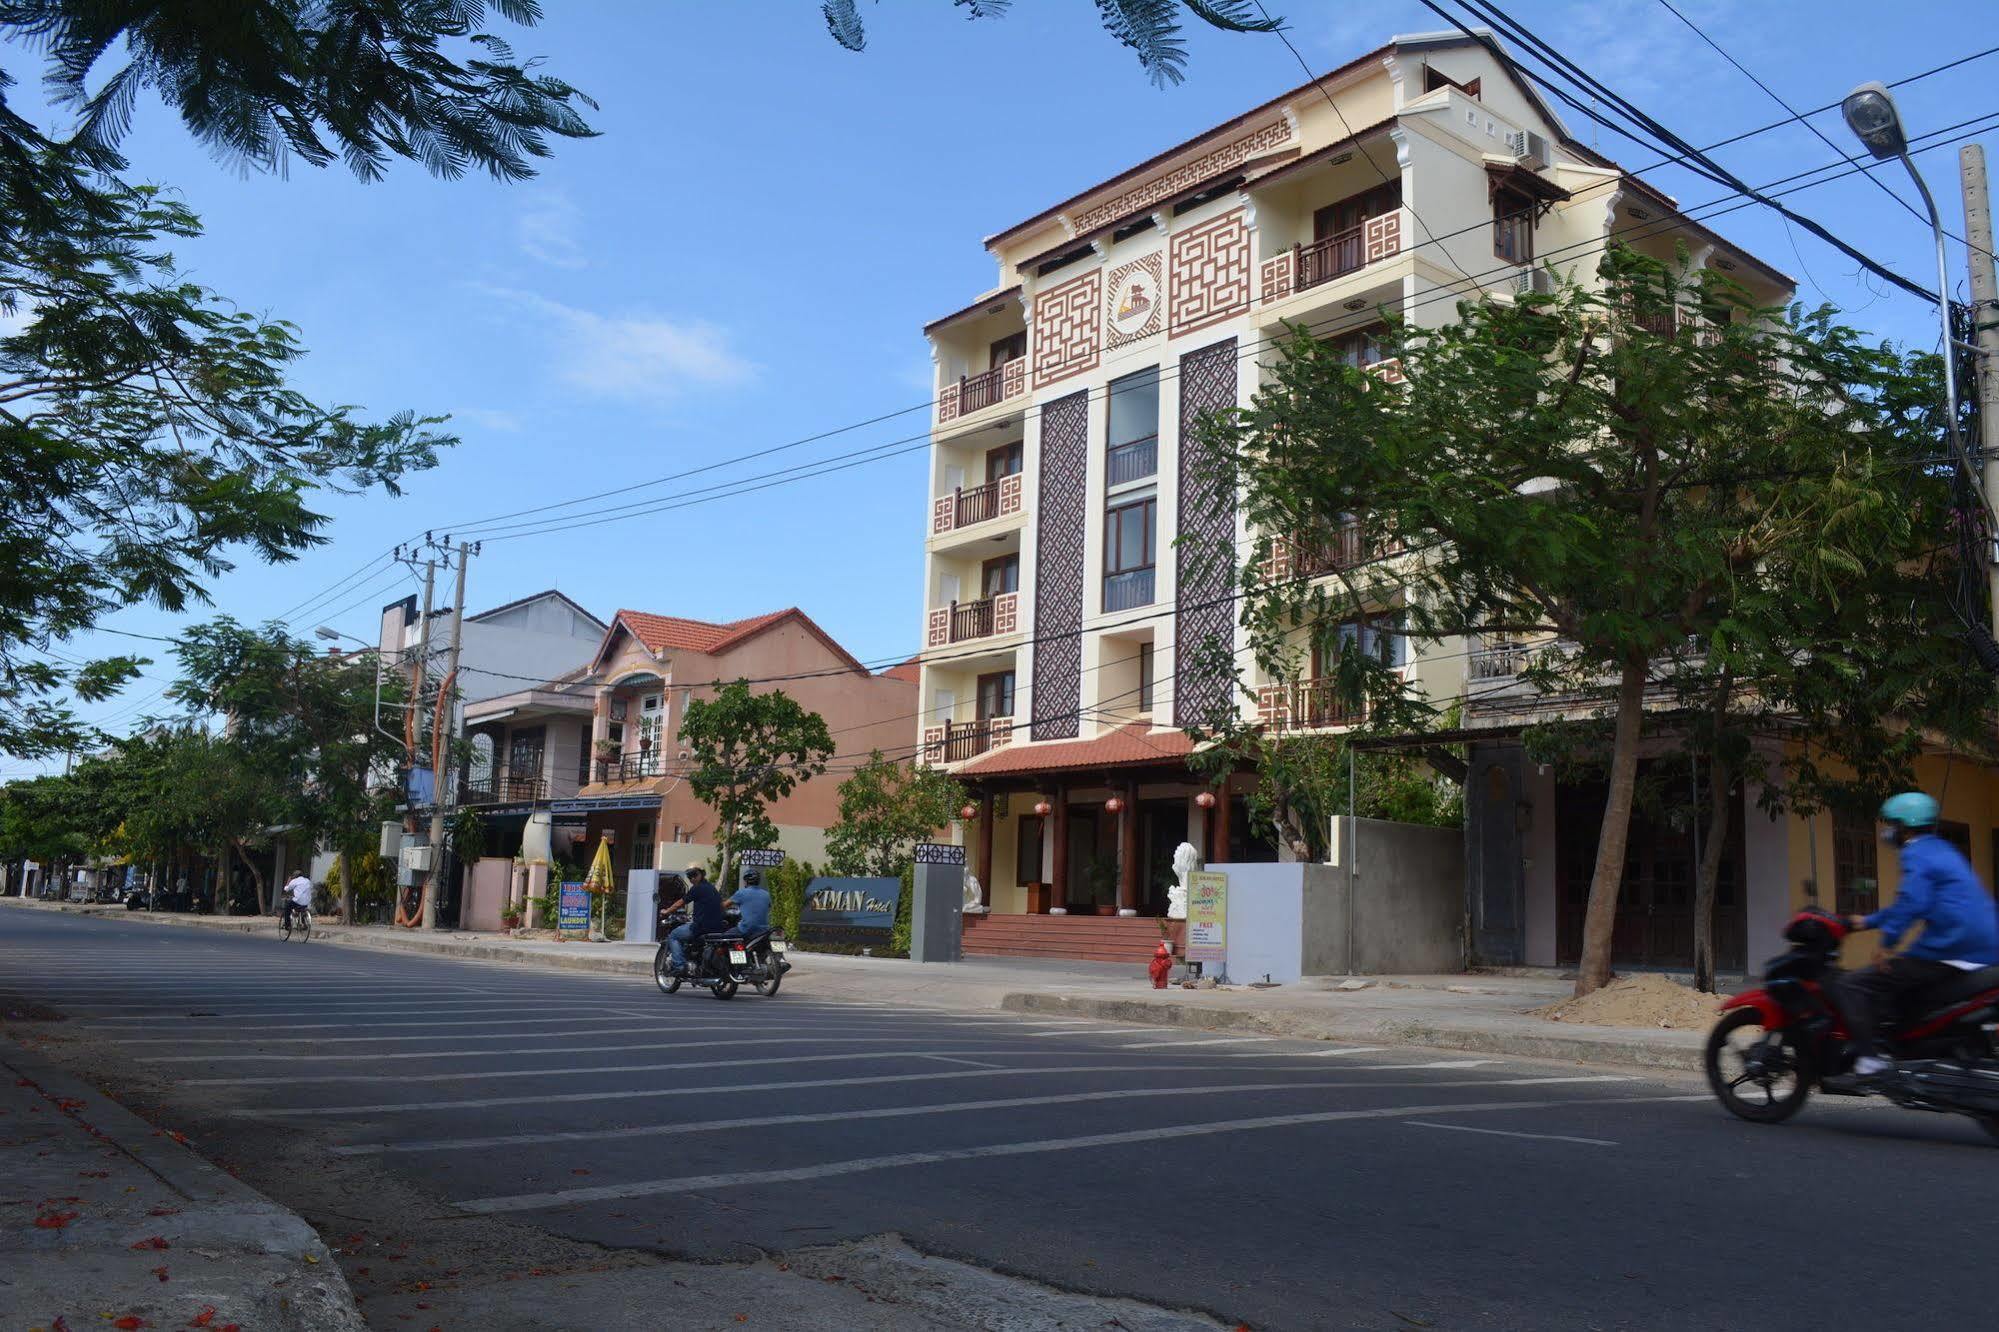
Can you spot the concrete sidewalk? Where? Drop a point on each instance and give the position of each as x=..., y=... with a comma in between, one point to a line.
x=106, y=1220
x=1479, y=1012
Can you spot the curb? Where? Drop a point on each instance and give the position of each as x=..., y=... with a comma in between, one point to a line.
x=280, y=1229
x=1304, y=1024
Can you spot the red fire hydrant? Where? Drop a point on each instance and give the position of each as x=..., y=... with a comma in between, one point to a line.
x=1160, y=966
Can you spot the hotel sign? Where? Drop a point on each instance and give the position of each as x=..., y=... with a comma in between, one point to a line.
x=851, y=904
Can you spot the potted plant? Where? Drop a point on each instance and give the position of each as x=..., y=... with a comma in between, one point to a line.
x=510, y=919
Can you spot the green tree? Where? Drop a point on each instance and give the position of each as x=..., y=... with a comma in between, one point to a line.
x=148, y=433
x=1150, y=29
x=885, y=809
x=747, y=750
x=1605, y=471
x=300, y=727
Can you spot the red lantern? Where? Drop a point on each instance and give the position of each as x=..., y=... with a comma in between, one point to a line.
x=1206, y=800
x=1043, y=808
x=969, y=812
x=1113, y=805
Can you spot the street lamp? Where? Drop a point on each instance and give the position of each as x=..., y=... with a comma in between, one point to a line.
x=1871, y=115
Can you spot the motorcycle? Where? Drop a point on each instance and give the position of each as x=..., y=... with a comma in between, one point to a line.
x=717, y=961
x=1773, y=1046
x=769, y=959
x=139, y=899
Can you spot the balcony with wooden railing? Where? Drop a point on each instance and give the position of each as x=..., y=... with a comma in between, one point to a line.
x=963, y=621
x=1314, y=263
x=1348, y=546
x=1005, y=382
x=970, y=506
x=955, y=742
x=1305, y=705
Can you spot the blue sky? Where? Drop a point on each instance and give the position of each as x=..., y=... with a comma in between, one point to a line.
x=748, y=254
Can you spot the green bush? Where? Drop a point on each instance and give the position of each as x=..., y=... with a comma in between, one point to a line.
x=898, y=939
x=787, y=883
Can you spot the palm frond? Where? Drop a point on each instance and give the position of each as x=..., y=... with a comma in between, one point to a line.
x=1151, y=28
x=843, y=21
x=1235, y=15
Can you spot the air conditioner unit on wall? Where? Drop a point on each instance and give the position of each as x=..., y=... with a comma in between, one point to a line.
x=1533, y=282
x=1530, y=148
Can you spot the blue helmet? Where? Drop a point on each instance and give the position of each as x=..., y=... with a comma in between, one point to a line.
x=1911, y=809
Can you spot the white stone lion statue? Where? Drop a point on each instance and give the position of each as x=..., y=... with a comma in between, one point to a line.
x=973, y=906
x=1186, y=861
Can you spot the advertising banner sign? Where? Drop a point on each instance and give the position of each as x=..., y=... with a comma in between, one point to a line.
x=1207, y=917
x=572, y=908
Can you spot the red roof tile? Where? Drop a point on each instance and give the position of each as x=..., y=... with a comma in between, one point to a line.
x=911, y=671
x=1136, y=742
x=666, y=633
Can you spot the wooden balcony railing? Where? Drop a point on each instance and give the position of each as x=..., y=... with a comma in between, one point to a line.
x=976, y=392
x=954, y=742
x=1309, y=265
x=1350, y=545
x=963, y=620
x=978, y=504
x=1304, y=705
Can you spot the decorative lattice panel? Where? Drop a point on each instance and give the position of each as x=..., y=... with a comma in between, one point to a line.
x=1208, y=273
x=1061, y=519
x=1205, y=612
x=1068, y=328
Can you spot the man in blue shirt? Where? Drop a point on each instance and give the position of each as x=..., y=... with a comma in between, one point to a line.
x=752, y=899
x=704, y=916
x=1960, y=927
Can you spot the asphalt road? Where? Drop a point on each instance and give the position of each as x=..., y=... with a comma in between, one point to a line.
x=1282, y=1184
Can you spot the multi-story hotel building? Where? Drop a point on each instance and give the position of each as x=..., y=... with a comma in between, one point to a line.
x=1063, y=624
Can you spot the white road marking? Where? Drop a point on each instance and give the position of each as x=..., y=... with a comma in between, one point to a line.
x=738, y=1179
x=564, y=1099
x=1313, y=1054
x=843, y=1116
x=1509, y=1133
x=568, y=1070
x=1096, y=1031
x=969, y=1063
x=414, y=1009
x=1184, y=1044
x=274, y=1032
x=568, y=1047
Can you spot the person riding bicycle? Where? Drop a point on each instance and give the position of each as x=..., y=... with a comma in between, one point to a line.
x=1960, y=930
x=704, y=916
x=752, y=899
x=298, y=898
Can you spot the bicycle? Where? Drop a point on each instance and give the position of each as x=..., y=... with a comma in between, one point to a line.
x=304, y=925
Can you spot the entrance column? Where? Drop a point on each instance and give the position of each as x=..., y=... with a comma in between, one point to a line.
x=1218, y=826
x=1127, y=850
x=986, y=830
x=1058, y=878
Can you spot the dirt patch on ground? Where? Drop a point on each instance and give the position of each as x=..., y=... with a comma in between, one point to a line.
x=19, y=1008
x=1648, y=1000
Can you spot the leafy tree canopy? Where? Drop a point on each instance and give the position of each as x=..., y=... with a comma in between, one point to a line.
x=885, y=809
x=1150, y=29
x=747, y=750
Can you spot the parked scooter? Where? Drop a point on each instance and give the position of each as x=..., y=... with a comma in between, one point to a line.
x=139, y=899
x=717, y=961
x=1775, y=1044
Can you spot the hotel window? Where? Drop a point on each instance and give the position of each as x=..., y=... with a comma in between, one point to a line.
x=1381, y=638
x=642, y=846
x=1009, y=348
x=1130, y=532
x=1360, y=348
x=1133, y=430
x=1856, y=871
x=1003, y=461
x=995, y=695
x=1000, y=574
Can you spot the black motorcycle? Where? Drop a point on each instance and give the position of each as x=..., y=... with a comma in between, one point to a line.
x=769, y=954
x=1775, y=1044
x=139, y=899
x=718, y=961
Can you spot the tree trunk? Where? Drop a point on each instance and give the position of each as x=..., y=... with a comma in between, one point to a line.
x=346, y=887
x=256, y=877
x=1721, y=781
x=1601, y=919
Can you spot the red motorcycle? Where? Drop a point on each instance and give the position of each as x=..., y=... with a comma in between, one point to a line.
x=1774, y=1045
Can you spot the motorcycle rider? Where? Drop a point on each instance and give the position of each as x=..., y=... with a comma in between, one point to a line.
x=752, y=899
x=704, y=916
x=1960, y=930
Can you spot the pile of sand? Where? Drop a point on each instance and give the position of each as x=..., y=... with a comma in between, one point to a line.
x=1648, y=1000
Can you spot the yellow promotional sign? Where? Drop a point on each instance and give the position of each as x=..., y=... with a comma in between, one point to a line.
x=1207, y=916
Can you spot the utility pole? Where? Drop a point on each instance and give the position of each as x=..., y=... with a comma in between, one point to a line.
x=413, y=732
x=1985, y=323
x=444, y=789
